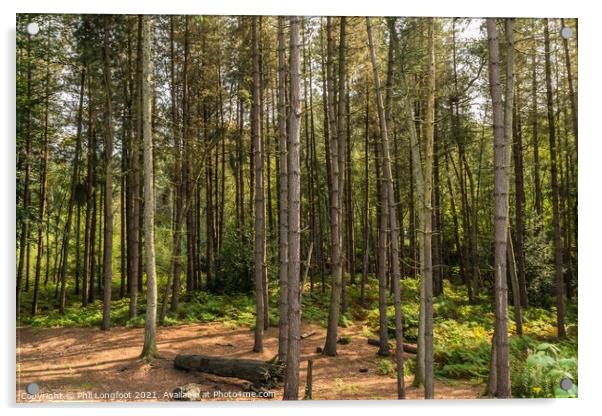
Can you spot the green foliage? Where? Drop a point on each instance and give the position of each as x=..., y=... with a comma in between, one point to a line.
x=315, y=308
x=344, y=321
x=461, y=350
x=539, y=375
x=343, y=387
x=539, y=267
x=235, y=260
x=386, y=367
x=90, y=316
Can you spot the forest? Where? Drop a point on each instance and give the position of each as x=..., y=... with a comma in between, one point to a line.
x=295, y=207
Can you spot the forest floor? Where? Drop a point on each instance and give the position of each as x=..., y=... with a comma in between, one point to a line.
x=87, y=364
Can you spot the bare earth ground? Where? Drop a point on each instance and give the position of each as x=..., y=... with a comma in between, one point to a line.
x=86, y=364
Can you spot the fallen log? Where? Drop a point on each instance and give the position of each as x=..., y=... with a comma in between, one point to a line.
x=310, y=334
x=409, y=348
x=260, y=373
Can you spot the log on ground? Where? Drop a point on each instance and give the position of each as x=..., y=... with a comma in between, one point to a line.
x=260, y=373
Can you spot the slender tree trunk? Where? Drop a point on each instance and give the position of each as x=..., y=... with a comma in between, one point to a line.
x=283, y=196
x=436, y=217
x=427, y=278
x=501, y=213
x=408, y=115
x=75, y=175
x=519, y=209
x=259, y=241
x=149, y=350
x=24, y=236
x=342, y=147
x=516, y=305
x=391, y=205
x=535, y=130
x=291, y=389
x=366, y=213
x=572, y=97
x=330, y=347
x=509, y=123
x=383, y=223
x=93, y=221
x=108, y=192
x=42, y=202
x=555, y=191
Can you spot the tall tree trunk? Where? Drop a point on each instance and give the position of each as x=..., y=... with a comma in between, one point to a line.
x=366, y=213
x=134, y=232
x=259, y=223
x=519, y=208
x=42, y=201
x=436, y=221
x=72, y=201
x=24, y=236
x=108, y=185
x=572, y=97
x=88, y=240
x=383, y=222
x=291, y=389
x=149, y=350
x=349, y=197
x=509, y=123
x=408, y=115
x=555, y=191
x=177, y=238
x=342, y=138
x=330, y=347
x=427, y=278
x=283, y=197
x=501, y=213
x=534, y=133
x=391, y=205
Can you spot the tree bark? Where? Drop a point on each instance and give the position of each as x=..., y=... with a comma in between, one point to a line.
x=259, y=223
x=555, y=191
x=291, y=387
x=283, y=197
x=501, y=220
x=391, y=205
x=428, y=217
x=108, y=185
x=42, y=201
x=330, y=347
x=75, y=175
x=149, y=349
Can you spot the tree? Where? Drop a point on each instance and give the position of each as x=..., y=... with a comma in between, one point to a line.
x=107, y=262
x=392, y=214
x=43, y=186
x=149, y=350
x=283, y=197
x=75, y=175
x=502, y=388
x=427, y=278
x=558, y=266
x=259, y=222
x=291, y=389
x=134, y=176
x=330, y=347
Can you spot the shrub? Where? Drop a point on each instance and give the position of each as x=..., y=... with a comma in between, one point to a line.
x=386, y=367
x=540, y=374
x=235, y=261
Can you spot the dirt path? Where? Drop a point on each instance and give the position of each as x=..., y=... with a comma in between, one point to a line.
x=86, y=364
